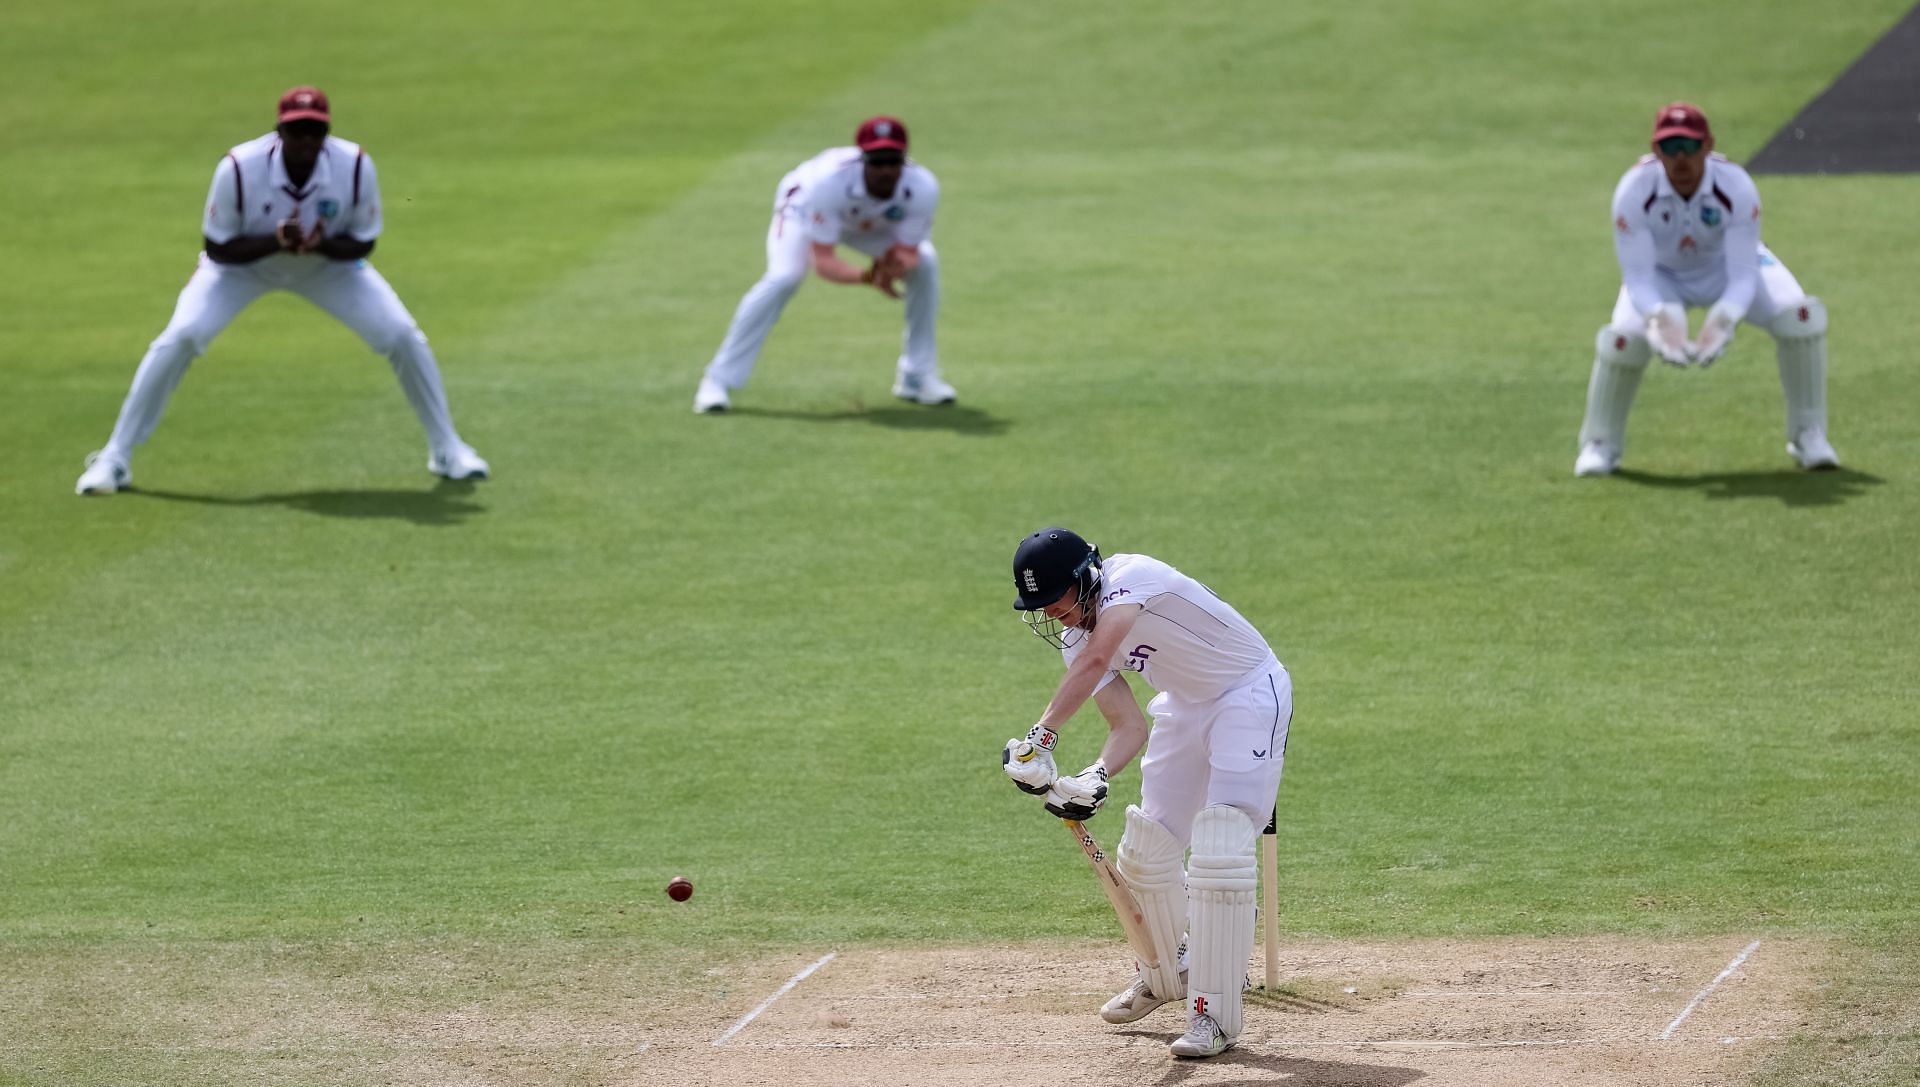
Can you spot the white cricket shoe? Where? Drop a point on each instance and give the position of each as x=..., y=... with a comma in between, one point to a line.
x=1202, y=1039
x=1596, y=458
x=1811, y=448
x=458, y=462
x=712, y=397
x=106, y=473
x=1134, y=1002
x=923, y=389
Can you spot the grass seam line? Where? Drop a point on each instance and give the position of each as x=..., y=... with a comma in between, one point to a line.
x=768, y=1002
x=1711, y=986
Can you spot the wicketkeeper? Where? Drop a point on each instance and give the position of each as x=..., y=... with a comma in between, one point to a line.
x=1686, y=229
x=1212, y=767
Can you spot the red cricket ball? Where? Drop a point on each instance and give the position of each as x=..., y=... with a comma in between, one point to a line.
x=680, y=888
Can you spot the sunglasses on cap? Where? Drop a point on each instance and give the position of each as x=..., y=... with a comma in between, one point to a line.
x=1680, y=145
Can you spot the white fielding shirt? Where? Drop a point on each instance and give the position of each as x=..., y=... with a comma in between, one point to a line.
x=1186, y=642
x=828, y=192
x=1709, y=244
x=251, y=193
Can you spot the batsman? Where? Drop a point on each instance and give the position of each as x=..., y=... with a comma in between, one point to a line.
x=1214, y=750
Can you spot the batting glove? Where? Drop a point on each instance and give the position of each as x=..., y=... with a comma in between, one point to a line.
x=1029, y=762
x=1079, y=796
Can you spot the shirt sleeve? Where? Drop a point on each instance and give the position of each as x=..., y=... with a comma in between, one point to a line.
x=1633, y=245
x=1742, y=243
x=224, y=216
x=818, y=217
x=1068, y=653
x=364, y=220
x=917, y=225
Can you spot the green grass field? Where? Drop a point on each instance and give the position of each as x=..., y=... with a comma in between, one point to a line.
x=1298, y=297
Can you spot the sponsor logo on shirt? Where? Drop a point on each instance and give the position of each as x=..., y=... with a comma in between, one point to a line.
x=1137, y=657
x=1115, y=595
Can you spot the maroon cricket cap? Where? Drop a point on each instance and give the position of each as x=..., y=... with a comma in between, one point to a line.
x=878, y=132
x=303, y=104
x=1680, y=119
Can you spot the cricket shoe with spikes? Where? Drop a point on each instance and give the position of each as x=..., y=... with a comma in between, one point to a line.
x=925, y=389
x=106, y=473
x=711, y=398
x=1596, y=458
x=1202, y=1039
x=1812, y=450
x=458, y=462
x=1134, y=1002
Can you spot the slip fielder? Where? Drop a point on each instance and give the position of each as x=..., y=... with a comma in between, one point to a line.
x=1212, y=766
x=297, y=209
x=875, y=200
x=1686, y=230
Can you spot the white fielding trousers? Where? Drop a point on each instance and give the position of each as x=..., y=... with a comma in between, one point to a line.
x=355, y=294
x=1228, y=751
x=789, y=259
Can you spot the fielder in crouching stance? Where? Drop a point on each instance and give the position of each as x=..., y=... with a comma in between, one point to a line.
x=1211, y=770
x=1686, y=228
x=295, y=210
x=875, y=200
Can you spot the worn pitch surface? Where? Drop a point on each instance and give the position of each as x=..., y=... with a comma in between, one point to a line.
x=1605, y=1012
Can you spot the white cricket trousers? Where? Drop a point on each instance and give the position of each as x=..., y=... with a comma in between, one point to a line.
x=1228, y=751
x=789, y=259
x=351, y=291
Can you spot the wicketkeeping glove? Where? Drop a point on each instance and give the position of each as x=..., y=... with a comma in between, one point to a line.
x=1029, y=762
x=1667, y=333
x=1715, y=334
x=1079, y=796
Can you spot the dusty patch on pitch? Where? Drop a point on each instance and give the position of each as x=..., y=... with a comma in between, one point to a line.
x=1438, y=1013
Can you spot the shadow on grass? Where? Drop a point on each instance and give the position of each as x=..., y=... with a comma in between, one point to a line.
x=1244, y=1067
x=1793, y=487
x=960, y=420
x=446, y=504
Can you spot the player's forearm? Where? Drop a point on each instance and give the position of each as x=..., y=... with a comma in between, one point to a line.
x=243, y=250
x=1074, y=690
x=1743, y=272
x=836, y=270
x=1638, y=273
x=342, y=247
x=1126, y=735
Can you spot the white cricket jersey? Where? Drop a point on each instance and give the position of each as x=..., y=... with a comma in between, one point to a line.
x=1708, y=245
x=828, y=193
x=1187, y=641
x=251, y=194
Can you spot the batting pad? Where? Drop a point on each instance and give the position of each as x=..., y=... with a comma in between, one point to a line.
x=1619, y=362
x=1221, y=880
x=1149, y=860
x=1800, y=345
